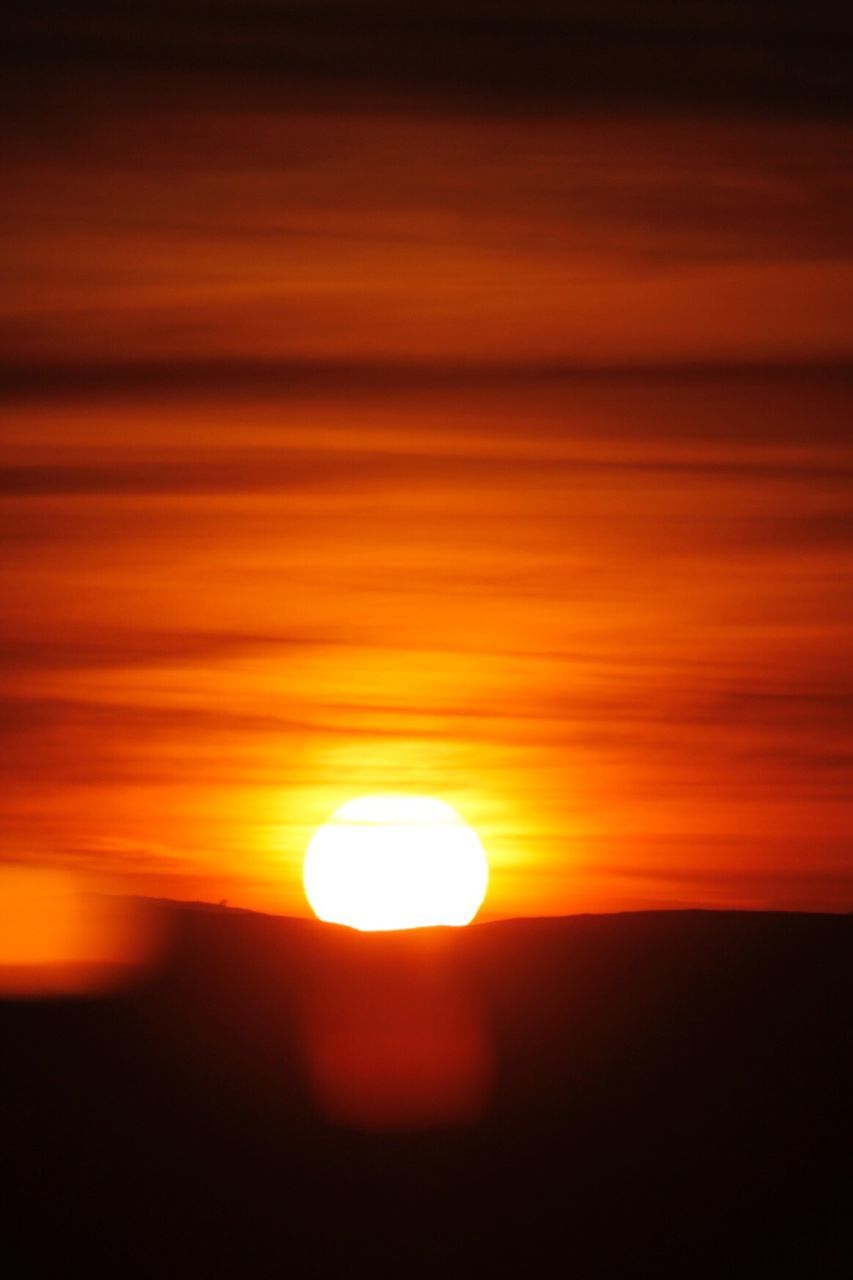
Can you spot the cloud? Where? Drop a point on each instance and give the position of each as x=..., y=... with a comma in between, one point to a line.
x=107, y=648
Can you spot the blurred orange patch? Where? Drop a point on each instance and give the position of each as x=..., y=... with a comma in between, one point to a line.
x=58, y=938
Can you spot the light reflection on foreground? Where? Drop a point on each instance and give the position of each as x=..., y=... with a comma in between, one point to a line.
x=58, y=938
x=392, y=1040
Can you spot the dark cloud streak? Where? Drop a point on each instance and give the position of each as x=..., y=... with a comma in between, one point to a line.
x=296, y=471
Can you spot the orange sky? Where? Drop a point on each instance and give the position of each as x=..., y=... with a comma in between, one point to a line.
x=492, y=454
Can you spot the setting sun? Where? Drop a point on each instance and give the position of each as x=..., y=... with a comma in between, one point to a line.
x=395, y=862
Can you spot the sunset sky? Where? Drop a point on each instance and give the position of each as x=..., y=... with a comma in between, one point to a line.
x=452, y=399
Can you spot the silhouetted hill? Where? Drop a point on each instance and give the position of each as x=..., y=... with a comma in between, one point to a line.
x=662, y=1092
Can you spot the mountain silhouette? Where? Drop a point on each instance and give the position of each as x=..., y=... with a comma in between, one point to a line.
x=643, y=1093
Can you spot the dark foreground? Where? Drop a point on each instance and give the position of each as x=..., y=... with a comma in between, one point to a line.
x=640, y=1094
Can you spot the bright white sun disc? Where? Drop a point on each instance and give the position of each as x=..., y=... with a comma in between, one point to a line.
x=395, y=862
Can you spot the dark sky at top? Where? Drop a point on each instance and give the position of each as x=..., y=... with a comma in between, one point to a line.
x=777, y=57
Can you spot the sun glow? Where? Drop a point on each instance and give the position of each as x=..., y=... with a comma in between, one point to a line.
x=395, y=862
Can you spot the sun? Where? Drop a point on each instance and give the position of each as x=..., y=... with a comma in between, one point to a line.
x=395, y=862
